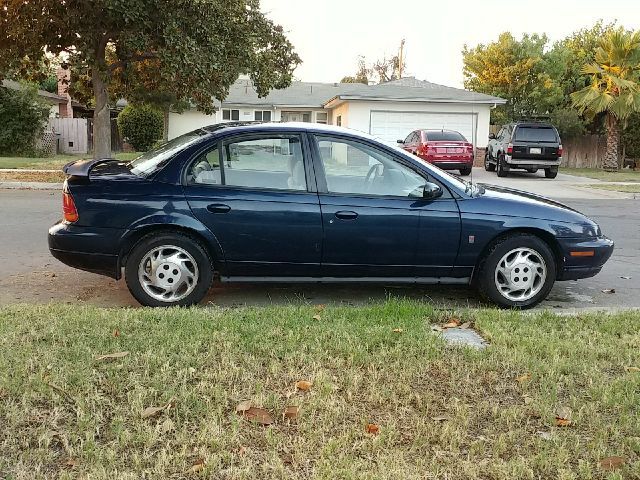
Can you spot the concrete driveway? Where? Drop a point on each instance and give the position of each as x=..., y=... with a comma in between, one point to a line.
x=30, y=274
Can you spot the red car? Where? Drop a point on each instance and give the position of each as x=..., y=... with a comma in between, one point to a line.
x=446, y=149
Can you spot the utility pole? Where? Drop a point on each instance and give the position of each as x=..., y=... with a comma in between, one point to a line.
x=401, y=59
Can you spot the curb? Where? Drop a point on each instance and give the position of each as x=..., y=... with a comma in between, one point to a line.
x=30, y=186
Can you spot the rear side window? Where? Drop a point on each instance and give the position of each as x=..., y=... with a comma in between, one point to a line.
x=444, y=136
x=536, y=134
x=266, y=162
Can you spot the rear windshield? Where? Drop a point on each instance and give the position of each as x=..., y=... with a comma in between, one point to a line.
x=444, y=136
x=536, y=134
x=153, y=160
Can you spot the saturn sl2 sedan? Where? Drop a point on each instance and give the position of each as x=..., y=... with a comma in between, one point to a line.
x=252, y=202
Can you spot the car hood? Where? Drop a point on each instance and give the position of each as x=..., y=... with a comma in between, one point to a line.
x=497, y=200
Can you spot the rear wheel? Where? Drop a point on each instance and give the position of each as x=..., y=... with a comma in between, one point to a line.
x=517, y=272
x=500, y=167
x=465, y=171
x=167, y=269
x=488, y=166
x=551, y=172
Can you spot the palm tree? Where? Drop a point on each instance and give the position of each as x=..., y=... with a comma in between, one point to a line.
x=614, y=89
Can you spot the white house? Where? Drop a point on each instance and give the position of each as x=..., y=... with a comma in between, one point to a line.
x=389, y=111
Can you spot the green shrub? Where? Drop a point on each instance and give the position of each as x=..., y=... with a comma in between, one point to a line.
x=23, y=115
x=141, y=126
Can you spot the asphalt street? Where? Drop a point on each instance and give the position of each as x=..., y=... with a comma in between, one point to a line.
x=29, y=274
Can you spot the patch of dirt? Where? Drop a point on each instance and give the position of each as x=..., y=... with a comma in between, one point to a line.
x=47, y=177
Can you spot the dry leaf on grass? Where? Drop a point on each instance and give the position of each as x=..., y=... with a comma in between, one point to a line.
x=545, y=435
x=632, y=369
x=244, y=406
x=167, y=426
x=112, y=356
x=153, y=411
x=320, y=307
x=258, y=415
x=452, y=323
x=397, y=330
x=372, y=428
x=523, y=378
x=116, y=333
x=71, y=463
x=317, y=317
x=611, y=463
x=291, y=412
x=303, y=385
x=465, y=325
x=436, y=328
x=563, y=417
x=442, y=418
x=198, y=466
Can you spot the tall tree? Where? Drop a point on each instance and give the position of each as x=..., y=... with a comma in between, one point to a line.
x=614, y=89
x=383, y=70
x=195, y=48
x=512, y=69
x=362, y=73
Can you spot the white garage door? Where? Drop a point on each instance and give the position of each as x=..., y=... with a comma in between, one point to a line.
x=391, y=126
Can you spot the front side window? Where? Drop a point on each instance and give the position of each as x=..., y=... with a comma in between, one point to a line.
x=360, y=169
x=266, y=162
x=409, y=139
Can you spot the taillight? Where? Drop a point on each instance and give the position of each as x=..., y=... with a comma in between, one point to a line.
x=69, y=211
x=509, y=149
x=560, y=151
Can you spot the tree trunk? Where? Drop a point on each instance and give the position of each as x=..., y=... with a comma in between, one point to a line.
x=165, y=132
x=101, y=117
x=610, y=161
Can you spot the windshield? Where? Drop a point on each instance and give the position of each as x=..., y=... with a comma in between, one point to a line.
x=151, y=161
x=445, y=136
x=536, y=134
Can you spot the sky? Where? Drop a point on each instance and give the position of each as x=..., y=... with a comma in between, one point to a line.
x=330, y=34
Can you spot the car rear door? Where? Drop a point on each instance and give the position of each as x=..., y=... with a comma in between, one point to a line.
x=376, y=223
x=257, y=194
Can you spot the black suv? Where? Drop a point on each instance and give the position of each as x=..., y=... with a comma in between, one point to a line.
x=527, y=146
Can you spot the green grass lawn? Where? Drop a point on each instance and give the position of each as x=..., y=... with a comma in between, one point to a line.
x=52, y=163
x=627, y=188
x=599, y=174
x=443, y=412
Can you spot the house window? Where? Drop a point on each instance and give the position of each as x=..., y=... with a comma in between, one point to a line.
x=262, y=115
x=339, y=120
x=322, y=117
x=306, y=117
x=228, y=114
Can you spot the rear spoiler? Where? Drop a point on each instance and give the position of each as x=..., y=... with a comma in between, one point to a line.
x=81, y=168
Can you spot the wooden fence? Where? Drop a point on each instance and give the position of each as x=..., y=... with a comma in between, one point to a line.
x=73, y=133
x=585, y=151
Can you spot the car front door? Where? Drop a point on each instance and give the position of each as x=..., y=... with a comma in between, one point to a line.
x=257, y=194
x=376, y=222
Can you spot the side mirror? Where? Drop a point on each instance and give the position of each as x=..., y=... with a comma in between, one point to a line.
x=399, y=141
x=431, y=191
x=492, y=136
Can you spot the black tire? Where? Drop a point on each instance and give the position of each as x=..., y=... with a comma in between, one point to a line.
x=485, y=279
x=465, y=171
x=500, y=167
x=532, y=170
x=488, y=166
x=185, y=242
x=550, y=172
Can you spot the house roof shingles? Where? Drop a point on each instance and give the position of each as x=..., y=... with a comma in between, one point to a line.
x=316, y=95
x=52, y=97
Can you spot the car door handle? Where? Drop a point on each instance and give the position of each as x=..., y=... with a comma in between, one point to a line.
x=218, y=208
x=346, y=215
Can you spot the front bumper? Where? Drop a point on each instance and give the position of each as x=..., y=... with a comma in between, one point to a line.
x=584, y=267
x=86, y=248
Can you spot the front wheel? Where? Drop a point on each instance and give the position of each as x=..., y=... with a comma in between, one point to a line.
x=518, y=271
x=167, y=269
x=465, y=171
x=488, y=166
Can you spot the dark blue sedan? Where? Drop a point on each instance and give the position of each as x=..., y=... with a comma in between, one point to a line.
x=310, y=203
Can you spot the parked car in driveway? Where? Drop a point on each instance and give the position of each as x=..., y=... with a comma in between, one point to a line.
x=525, y=145
x=311, y=203
x=446, y=149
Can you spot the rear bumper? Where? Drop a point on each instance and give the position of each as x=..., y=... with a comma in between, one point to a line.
x=452, y=164
x=532, y=162
x=91, y=249
x=584, y=267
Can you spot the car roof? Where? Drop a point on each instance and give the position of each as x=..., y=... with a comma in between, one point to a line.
x=241, y=127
